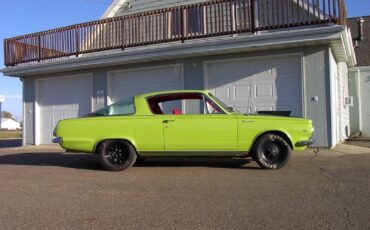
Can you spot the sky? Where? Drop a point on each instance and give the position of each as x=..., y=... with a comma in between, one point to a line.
x=19, y=17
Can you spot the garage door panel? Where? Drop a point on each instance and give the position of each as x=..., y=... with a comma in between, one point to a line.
x=62, y=98
x=222, y=92
x=129, y=83
x=264, y=90
x=264, y=108
x=242, y=92
x=264, y=84
x=263, y=70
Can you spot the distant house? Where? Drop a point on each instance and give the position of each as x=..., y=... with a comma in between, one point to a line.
x=9, y=124
x=359, y=78
x=253, y=54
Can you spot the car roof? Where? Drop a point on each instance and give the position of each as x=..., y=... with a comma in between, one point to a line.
x=170, y=92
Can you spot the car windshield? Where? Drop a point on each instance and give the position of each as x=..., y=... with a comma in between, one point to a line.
x=223, y=105
x=123, y=107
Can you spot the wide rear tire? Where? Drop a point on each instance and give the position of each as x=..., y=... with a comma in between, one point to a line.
x=117, y=155
x=271, y=151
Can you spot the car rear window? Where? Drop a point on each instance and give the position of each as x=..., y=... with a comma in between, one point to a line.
x=123, y=107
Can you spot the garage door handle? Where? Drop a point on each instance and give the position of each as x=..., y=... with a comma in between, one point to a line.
x=168, y=121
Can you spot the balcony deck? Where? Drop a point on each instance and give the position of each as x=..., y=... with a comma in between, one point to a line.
x=207, y=19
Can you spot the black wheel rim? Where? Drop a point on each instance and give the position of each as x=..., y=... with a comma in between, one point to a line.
x=116, y=153
x=272, y=152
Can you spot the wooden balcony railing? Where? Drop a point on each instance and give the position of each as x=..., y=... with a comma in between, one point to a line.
x=207, y=19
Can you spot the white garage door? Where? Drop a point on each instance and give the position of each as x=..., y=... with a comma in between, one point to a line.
x=129, y=83
x=255, y=85
x=62, y=98
x=365, y=108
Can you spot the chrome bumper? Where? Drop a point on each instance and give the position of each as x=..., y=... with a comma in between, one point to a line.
x=57, y=140
x=305, y=143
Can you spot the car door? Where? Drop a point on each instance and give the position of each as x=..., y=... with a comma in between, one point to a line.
x=214, y=132
x=198, y=131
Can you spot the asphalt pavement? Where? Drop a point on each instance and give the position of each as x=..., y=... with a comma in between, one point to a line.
x=10, y=143
x=46, y=188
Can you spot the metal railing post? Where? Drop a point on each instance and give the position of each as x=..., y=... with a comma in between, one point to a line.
x=77, y=37
x=39, y=48
x=252, y=8
x=182, y=21
x=123, y=33
x=5, y=45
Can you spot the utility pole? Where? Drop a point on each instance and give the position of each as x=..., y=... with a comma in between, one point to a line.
x=1, y=112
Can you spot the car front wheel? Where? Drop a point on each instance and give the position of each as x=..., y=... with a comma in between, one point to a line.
x=117, y=155
x=271, y=151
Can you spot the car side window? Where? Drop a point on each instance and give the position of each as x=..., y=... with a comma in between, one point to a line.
x=183, y=104
x=122, y=108
x=212, y=107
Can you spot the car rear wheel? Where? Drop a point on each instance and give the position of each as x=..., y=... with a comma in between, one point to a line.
x=271, y=151
x=117, y=155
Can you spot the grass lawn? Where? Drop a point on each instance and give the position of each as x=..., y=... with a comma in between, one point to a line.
x=11, y=134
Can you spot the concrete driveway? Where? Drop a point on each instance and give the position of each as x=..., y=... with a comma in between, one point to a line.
x=46, y=188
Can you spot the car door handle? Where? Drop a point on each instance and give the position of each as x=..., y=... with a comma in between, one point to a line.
x=168, y=121
x=247, y=121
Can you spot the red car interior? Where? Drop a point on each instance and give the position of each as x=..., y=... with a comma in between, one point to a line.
x=176, y=111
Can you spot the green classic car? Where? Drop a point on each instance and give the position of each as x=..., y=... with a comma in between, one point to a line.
x=182, y=123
